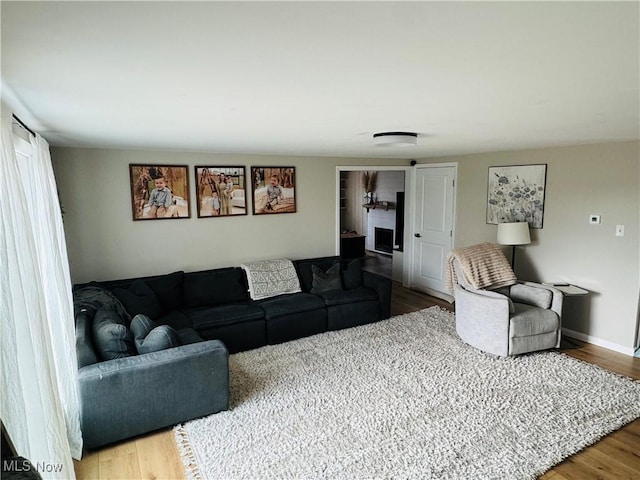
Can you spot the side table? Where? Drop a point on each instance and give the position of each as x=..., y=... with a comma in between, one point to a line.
x=567, y=289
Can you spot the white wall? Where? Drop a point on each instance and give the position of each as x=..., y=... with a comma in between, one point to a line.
x=105, y=243
x=599, y=179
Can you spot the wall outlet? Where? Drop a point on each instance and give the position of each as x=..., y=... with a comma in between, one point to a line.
x=594, y=219
x=619, y=230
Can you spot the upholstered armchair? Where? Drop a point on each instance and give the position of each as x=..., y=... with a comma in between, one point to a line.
x=510, y=320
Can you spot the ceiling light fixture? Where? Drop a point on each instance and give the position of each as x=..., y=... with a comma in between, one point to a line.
x=395, y=138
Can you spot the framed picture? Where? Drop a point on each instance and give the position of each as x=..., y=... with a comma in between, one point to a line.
x=516, y=194
x=221, y=191
x=159, y=191
x=274, y=190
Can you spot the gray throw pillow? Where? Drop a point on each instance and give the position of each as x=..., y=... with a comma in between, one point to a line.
x=326, y=281
x=111, y=336
x=149, y=337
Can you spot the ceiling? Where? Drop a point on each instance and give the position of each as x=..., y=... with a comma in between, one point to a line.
x=321, y=78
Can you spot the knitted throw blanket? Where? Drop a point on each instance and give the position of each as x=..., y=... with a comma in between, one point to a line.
x=270, y=278
x=483, y=265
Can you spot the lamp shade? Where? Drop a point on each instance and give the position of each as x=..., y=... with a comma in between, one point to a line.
x=513, y=233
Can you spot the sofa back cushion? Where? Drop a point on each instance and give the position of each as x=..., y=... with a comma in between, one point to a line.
x=215, y=287
x=351, y=274
x=538, y=297
x=168, y=289
x=150, y=337
x=139, y=298
x=111, y=336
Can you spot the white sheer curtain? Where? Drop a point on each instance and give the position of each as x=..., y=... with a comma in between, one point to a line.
x=39, y=395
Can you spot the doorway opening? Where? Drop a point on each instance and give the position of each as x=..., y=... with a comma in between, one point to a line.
x=371, y=224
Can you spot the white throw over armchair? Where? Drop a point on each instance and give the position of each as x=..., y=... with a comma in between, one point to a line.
x=494, y=312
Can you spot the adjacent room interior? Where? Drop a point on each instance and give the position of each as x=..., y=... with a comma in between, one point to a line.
x=372, y=226
x=320, y=239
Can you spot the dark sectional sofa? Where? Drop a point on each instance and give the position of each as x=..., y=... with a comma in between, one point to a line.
x=213, y=315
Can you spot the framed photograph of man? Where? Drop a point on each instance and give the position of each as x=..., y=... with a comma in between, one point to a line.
x=159, y=191
x=274, y=190
x=221, y=191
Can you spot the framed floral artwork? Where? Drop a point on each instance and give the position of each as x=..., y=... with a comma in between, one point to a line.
x=221, y=191
x=515, y=193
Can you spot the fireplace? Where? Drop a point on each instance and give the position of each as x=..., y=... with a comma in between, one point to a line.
x=383, y=240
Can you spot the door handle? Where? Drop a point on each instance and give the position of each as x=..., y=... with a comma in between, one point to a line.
x=417, y=235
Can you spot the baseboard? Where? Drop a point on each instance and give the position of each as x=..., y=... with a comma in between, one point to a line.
x=434, y=293
x=630, y=351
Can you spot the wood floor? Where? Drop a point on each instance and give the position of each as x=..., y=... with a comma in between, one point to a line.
x=615, y=457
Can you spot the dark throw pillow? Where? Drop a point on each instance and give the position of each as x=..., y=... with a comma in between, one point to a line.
x=352, y=274
x=326, y=281
x=111, y=336
x=139, y=298
x=149, y=337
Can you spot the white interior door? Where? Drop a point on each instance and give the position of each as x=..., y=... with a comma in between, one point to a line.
x=432, y=234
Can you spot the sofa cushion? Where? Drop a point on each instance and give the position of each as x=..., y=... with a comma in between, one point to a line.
x=168, y=288
x=85, y=351
x=176, y=319
x=530, y=320
x=188, y=335
x=342, y=297
x=151, y=337
x=238, y=337
x=305, y=273
x=215, y=287
x=212, y=317
x=352, y=274
x=536, y=296
x=325, y=281
x=506, y=292
x=111, y=336
x=289, y=304
x=139, y=298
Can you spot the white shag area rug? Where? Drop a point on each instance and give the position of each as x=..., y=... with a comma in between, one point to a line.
x=403, y=398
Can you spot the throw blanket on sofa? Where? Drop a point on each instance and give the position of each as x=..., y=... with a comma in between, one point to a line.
x=91, y=299
x=271, y=277
x=483, y=265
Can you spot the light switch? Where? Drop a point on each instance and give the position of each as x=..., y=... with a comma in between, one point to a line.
x=619, y=230
x=594, y=219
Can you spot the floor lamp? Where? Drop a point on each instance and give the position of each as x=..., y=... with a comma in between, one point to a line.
x=513, y=234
